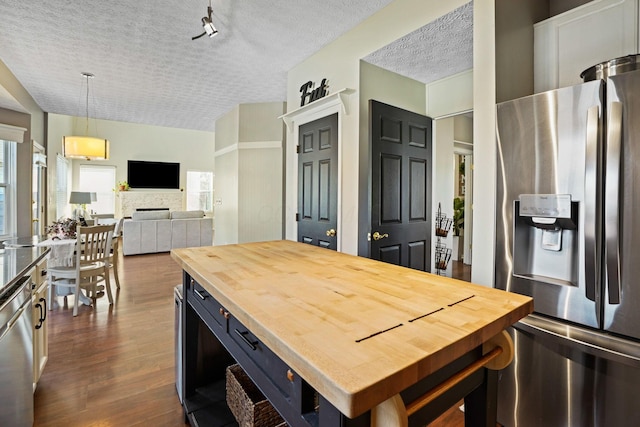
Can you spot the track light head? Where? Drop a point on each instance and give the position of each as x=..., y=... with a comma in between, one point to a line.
x=208, y=27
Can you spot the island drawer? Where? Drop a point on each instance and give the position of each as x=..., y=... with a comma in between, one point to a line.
x=271, y=365
x=208, y=304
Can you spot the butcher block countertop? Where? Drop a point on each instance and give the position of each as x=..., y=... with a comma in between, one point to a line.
x=359, y=331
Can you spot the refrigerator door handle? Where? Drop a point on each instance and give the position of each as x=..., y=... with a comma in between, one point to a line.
x=612, y=195
x=590, y=185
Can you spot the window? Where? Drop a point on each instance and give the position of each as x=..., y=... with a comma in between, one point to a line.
x=200, y=191
x=100, y=180
x=8, y=212
x=62, y=191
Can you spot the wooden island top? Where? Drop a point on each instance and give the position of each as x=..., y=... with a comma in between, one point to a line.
x=359, y=331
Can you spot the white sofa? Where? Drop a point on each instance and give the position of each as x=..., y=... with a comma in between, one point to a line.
x=160, y=231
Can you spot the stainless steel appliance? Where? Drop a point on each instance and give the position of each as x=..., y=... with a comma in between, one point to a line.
x=178, y=300
x=16, y=353
x=568, y=234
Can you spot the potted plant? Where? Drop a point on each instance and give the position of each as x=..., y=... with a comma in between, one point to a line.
x=458, y=216
x=122, y=186
x=64, y=228
x=458, y=226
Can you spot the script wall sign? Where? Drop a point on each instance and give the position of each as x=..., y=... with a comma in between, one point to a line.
x=309, y=94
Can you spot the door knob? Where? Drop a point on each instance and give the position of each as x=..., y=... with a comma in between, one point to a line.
x=331, y=233
x=378, y=236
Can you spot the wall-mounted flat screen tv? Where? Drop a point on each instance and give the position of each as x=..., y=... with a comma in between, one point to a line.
x=142, y=174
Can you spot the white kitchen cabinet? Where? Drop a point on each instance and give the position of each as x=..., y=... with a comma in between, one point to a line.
x=39, y=317
x=567, y=44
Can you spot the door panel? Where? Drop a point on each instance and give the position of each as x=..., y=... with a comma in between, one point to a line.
x=622, y=236
x=390, y=181
x=417, y=184
x=318, y=182
x=390, y=254
x=417, y=257
x=544, y=143
x=401, y=186
x=324, y=180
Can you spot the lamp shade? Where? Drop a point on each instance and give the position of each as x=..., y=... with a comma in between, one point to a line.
x=94, y=197
x=80, y=198
x=85, y=147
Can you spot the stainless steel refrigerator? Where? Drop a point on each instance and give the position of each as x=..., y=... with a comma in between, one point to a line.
x=568, y=234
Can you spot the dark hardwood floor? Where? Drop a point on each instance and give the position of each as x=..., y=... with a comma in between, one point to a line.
x=114, y=365
x=460, y=270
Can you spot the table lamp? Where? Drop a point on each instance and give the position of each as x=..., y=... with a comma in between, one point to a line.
x=80, y=199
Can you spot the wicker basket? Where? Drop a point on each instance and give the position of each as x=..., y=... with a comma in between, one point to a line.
x=247, y=403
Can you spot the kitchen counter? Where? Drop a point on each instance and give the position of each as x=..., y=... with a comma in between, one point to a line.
x=15, y=262
x=358, y=331
x=22, y=351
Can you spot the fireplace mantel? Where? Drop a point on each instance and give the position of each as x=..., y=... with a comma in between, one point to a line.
x=129, y=201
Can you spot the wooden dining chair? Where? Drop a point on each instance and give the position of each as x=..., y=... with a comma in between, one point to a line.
x=91, y=265
x=115, y=248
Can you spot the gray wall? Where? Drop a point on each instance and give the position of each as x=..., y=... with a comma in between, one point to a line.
x=557, y=7
x=32, y=118
x=514, y=46
x=24, y=161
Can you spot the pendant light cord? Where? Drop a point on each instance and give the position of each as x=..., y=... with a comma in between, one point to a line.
x=87, y=77
x=86, y=130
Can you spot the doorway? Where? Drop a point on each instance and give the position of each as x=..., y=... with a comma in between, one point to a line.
x=401, y=180
x=38, y=191
x=317, y=215
x=462, y=197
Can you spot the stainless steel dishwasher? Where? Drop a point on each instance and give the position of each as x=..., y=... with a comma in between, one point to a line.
x=16, y=354
x=177, y=294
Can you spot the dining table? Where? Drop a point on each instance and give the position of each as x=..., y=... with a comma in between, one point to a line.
x=61, y=254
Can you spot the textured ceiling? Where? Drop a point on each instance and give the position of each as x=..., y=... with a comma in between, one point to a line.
x=439, y=49
x=148, y=70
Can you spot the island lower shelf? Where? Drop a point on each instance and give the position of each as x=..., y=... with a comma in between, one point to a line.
x=207, y=406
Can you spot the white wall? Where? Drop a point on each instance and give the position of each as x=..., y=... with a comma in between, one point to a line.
x=260, y=190
x=249, y=173
x=463, y=129
x=194, y=150
x=453, y=94
x=57, y=125
x=225, y=209
x=484, y=140
x=260, y=170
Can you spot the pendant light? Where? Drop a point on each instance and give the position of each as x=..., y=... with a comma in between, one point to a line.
x=86, y=147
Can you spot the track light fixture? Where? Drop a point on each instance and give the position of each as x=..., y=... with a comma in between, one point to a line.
x=207, y=24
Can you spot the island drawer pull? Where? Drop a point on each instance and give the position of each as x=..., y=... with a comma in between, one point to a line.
x=243, y=335
x=202, y=297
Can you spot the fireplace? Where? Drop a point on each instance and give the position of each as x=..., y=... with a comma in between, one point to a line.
x=128, y=202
